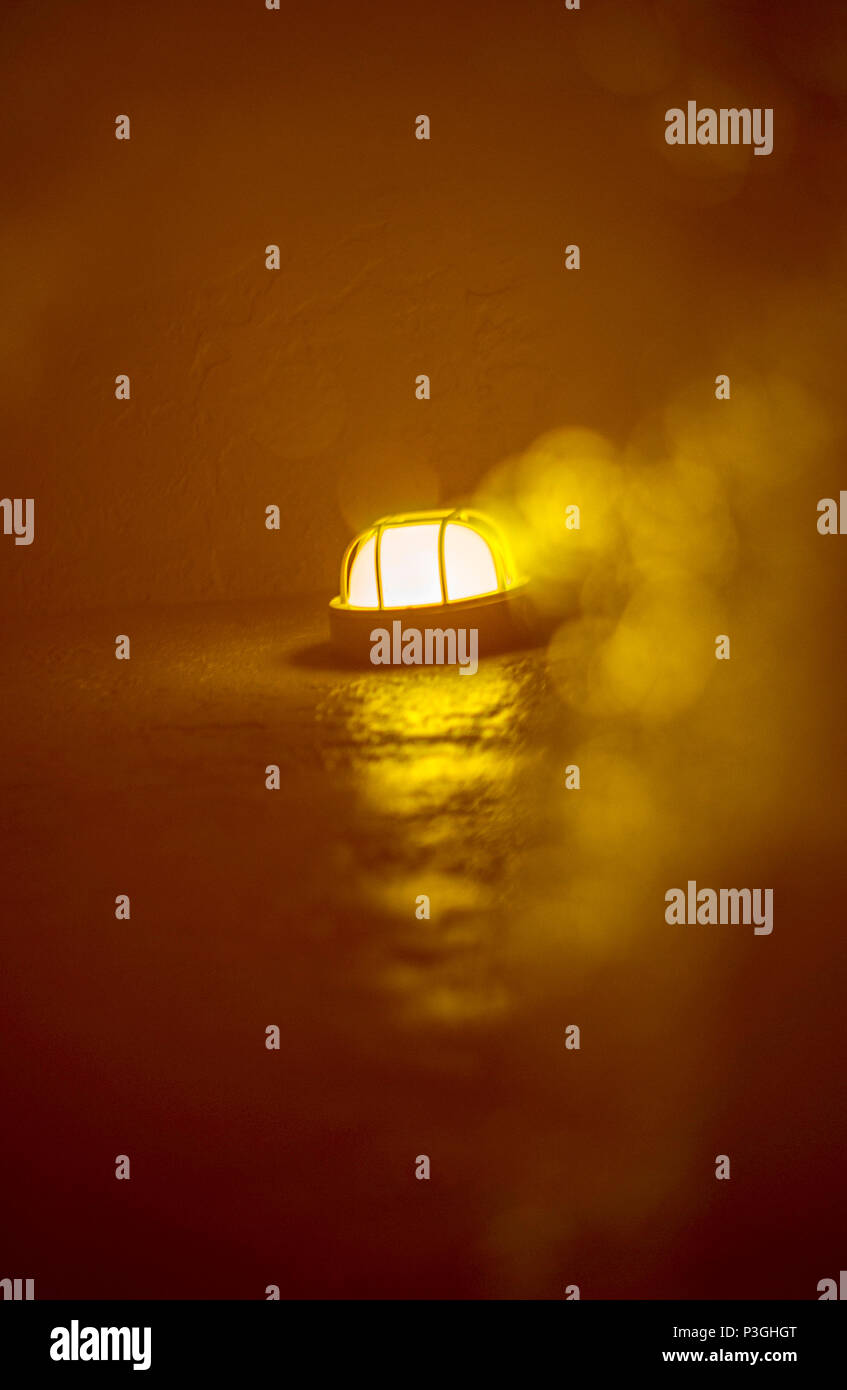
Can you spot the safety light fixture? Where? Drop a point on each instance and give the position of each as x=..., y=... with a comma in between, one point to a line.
x=451, y=568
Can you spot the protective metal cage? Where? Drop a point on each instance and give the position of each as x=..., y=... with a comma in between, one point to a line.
x=424, y=559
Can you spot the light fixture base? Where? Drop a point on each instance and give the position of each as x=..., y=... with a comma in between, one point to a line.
x=503, y=621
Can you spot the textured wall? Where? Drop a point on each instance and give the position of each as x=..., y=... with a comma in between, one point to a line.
x=398, y=257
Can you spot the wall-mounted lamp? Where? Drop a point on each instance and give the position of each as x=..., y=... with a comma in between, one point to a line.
x=450, y=568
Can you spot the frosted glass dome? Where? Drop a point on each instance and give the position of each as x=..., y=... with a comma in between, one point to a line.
x=424, y=558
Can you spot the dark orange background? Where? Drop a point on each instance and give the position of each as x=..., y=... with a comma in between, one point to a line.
x=402, y=257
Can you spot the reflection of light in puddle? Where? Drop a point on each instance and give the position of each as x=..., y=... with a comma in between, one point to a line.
x=429, y=745
x=431, y=767
x=403, y=707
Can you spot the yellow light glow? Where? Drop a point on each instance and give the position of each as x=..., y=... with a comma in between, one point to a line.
x=435, y=559
x=408, y=564
x=469, y=568
x=362, y=584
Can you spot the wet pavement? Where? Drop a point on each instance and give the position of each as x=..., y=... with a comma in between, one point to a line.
x=401, y=1036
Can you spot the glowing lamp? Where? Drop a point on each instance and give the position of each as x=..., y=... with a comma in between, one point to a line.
x=442, y=568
